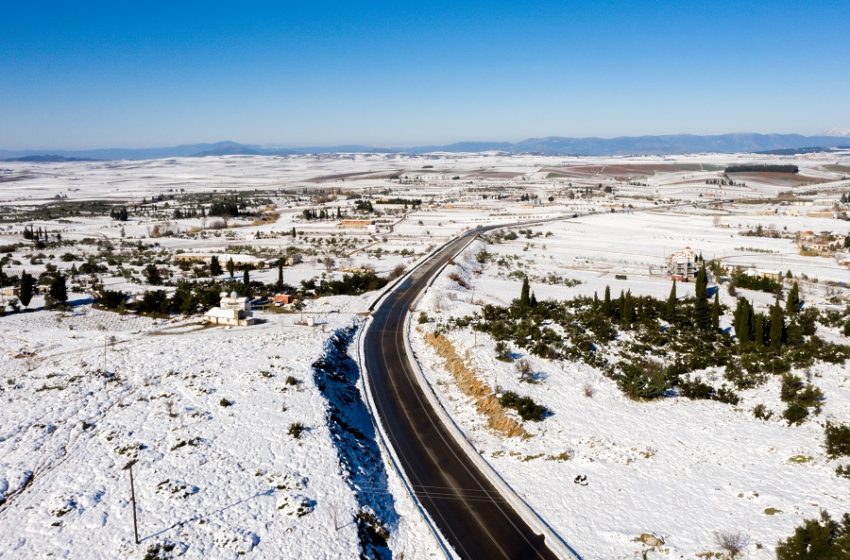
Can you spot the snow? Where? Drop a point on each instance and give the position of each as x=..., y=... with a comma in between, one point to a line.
x=85, y=391
x=203, y=411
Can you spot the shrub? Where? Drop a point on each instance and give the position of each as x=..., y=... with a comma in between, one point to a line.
x=837, y=440
x=225, y=402
x=290, y=380
x=423, y=318
x=727, y=395
x=761, y=412
x=454, y=276
x=112, y=299
x=795, y=413
x=503, y=353
x=696, y=389
x=296, y=429
x=817, y=540
x=643, y=380
x=525, y=406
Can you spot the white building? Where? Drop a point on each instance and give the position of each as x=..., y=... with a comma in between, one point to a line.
x=683, y=264
x=232, y=310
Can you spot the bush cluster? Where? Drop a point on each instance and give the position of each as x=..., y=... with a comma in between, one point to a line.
x=525, y=406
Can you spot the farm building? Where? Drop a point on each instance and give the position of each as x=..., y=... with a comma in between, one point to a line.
x=683, y=264
x=356, y=224
x=232, y=311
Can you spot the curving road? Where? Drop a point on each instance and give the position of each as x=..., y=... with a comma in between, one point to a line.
x=464, y=505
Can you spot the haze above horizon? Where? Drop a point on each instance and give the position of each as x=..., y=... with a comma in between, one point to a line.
x=391, y=74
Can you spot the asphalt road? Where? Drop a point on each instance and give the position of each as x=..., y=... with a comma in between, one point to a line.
x=466, y=508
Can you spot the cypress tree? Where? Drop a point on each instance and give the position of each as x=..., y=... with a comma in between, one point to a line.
x=671, y=304
x=525, y=293
x=750, y=324
x=231, y=267
x=58, y=291
x=215, y=266
x=777, y=326
x=793, y=301
x=246, y=280
x=702, y=311
x=27, y=284
x=279, y=275
x=715, y=311
x=795, y=334
x=744, y=321
x=606, y=305
x=627, y=308
x=739, y=318
x=533, y=300
x=758, y=329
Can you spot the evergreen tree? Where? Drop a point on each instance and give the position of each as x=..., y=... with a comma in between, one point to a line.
x=525, y=293
x=246, y=280
x=606, y=304
x=793, y=301
x=58, y=290
x=2, y=276
x=215, y=266
x=758, y=329
x=744, y=321
x=715, y=311
x=27, y=284
x=533, y=300
x=817, y=540
x=795, y=334
x=777, y=325
x=671, y=304
x=152, y=275
x=231, y=267
x=627, y=308
x=702, y=310
x=279, y=285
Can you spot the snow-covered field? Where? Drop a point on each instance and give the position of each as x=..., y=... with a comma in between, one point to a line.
x=206, y=413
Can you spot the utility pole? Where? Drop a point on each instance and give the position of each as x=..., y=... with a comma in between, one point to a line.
x=129, y=467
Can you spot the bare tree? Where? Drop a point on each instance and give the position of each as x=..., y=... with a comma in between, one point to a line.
x=732, y=543
x=524, y=370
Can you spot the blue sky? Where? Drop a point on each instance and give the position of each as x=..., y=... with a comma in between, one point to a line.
x=102, y=74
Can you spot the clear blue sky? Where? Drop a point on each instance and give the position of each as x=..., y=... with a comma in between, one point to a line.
x=133, y=74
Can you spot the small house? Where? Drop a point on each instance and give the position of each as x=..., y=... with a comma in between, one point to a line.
x=282, y=299
x=10, y=291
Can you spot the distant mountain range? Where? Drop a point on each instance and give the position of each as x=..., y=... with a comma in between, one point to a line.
x=551, y=145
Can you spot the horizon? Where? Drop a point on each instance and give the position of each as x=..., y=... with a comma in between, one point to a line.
x=386, y=75
x=836, y=133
